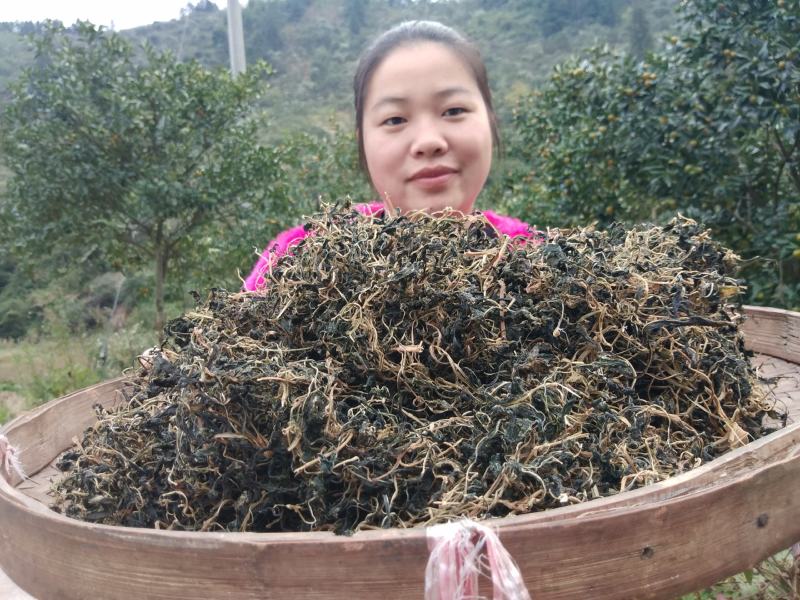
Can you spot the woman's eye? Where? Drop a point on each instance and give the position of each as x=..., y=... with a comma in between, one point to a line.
x=394, y=121
x=454, y=112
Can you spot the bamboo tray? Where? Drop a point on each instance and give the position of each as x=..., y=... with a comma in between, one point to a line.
x=660, y=541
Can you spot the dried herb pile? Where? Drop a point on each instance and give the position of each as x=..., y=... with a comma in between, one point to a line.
x=400, y=371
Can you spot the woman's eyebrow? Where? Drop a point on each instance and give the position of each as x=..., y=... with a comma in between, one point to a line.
x=389, y=100
x=445, y=93
x=451, y=91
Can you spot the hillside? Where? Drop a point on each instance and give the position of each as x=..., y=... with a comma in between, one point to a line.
x=313, y=44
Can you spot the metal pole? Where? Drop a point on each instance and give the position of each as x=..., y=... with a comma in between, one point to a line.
x=235, y=37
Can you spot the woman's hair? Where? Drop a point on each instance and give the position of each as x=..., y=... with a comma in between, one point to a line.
x=408, y=33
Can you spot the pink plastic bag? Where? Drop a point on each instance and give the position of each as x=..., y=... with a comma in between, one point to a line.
x=462, y=551
x=9, y=459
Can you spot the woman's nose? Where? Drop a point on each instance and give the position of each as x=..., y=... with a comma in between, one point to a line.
x=428, y=141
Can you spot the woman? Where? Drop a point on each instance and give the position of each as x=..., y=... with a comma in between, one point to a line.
x=426, y=129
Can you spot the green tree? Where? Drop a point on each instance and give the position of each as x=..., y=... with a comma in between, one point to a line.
x=263, y=24
x=354, y=12
x=640, y=39
x=710, y=128
x=203, y=6
x=295, y=9
x=133, y=157
x=324, y=168
x=16, y=313
x=558, y=14
x=312, y=168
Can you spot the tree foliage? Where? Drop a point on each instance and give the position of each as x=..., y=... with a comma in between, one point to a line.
x=131, y=157
x=354, y=14
x=558, y=14
x=202, y=6
x=710, y=127
x=263, y=24
x=313, y=47
x=309, y=169
x=640, y=38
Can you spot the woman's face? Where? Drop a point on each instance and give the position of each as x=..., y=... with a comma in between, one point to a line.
x=426, y=132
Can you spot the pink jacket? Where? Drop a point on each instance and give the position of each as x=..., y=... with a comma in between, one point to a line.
x=283, y=241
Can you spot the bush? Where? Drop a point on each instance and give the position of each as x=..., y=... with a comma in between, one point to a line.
x=710, y=128
x=16, y=316
x=58, y=382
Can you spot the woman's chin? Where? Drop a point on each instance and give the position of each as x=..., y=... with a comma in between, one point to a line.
x=434, y=204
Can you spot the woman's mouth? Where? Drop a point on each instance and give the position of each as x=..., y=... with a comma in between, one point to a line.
x=433, y=178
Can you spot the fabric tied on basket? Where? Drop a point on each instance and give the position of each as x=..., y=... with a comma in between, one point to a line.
x=462, y=551
x=9, y=460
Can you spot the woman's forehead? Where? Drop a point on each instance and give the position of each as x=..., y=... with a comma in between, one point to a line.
x=426, y=68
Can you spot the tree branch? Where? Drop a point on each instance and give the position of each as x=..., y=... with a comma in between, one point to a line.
x=176, y=236
x=787, y=157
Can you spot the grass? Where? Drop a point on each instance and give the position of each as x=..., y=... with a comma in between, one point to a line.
x=41, y=370
x=35, y=371
x=776, y=578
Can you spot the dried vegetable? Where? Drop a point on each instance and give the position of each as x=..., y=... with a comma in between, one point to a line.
x=408, y=370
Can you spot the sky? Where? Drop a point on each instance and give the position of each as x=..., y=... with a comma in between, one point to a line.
x=123, y=14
